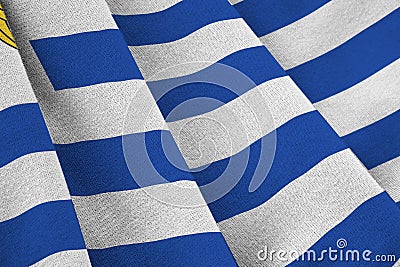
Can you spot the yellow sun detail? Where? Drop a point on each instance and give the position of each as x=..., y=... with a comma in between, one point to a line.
x=5, y=33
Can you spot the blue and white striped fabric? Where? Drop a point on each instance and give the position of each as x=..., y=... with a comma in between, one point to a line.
x=38, y=223
x=85, y=79
x=179, y=138
x=344, y=56
x=312, y=180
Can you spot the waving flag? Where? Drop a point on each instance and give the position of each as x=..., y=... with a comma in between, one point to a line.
x=199, y=133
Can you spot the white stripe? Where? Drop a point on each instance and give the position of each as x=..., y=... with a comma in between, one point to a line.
x=365, y=103
x=239, y=123
x=101, y=111
x=212, y=42
x=387, y=175
x=325, y=29
x=92, y=112
x=233, y=2
x=397, y=264
x=30, y=180
x=302, y=212
x=14, y=84
x=142, y=215
x=70, y=258
x=129, y=7
x=46, y=18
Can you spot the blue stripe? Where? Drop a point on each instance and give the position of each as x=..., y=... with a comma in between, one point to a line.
x=398, y=204
x=301, y=144
x=39, y=232
x=98, y=166
x=189, y=250
x=86, y=58
x=372, y=226
x=22, y=131
x=352, y=62
x=265, y=16
x=220, y=83
x=257, y=63
x=193, y=99
x=378, y=142
x=173, y=23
